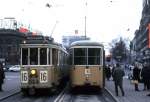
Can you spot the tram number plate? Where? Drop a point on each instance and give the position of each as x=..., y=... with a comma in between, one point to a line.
x=87, y=71
x=24, y=76
x=43, y=76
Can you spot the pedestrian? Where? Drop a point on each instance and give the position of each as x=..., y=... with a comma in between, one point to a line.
x=112, y=71
x=118, y=79
x=108, y=72
x=145, y=74
x=2, y=76
x=136, y=77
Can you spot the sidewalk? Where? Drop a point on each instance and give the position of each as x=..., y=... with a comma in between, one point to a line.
x=130, y=94
x=9, y=87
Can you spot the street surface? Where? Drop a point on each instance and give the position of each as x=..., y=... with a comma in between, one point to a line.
x=87, y=95
x=130, y=94
x=12, y=85
x=21, y=98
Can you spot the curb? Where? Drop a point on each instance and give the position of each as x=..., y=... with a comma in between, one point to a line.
x=9, y=95
x=116, y=100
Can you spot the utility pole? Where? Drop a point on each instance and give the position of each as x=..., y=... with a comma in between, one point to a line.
x=85, y=18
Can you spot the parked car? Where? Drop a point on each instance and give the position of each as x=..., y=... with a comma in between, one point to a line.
x=6, y=67
x=14, y=68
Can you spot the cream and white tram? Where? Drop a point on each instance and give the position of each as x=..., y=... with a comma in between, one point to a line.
x=43, y=66
x=87, y=64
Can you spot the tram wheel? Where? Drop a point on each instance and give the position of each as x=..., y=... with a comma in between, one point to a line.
x=24, y=92
x=31, y=91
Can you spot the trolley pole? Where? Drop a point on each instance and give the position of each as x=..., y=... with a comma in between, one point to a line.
x=85, y=27
x=85, y=17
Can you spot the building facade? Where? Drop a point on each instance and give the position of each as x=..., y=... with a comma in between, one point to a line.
x=141, y=39
x=10, y=41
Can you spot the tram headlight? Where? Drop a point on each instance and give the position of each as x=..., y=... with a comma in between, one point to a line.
x=33, y=72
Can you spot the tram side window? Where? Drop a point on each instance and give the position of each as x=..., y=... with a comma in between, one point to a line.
x=94, y=56
x=43, y=56
x=49, y=56
x=70, y=59
x=54, y=56
x=61, y=58
x=24, y=56
x=33, y=56
x=80, y=56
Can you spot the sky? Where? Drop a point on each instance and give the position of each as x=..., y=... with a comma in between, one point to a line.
x=106, y=19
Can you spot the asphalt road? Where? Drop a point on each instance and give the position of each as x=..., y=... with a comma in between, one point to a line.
x=12, y=81
x=12, y=85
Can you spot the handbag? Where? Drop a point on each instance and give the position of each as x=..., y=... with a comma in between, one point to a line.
x=134, y=81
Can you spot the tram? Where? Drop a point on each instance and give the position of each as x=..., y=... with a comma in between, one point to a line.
x=87, y=64
x=43, y=66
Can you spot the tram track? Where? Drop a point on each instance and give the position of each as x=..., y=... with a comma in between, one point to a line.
x=65, y=96
x=19, y=97
x=62, y=94
x=41, y=97
x=105, y=96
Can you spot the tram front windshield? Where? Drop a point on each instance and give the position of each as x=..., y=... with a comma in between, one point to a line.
x=34, y=56
x=87, y=56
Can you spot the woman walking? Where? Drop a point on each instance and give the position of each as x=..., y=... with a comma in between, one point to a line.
x=136, y=77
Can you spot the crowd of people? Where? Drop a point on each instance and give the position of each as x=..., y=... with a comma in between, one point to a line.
x=139, y=75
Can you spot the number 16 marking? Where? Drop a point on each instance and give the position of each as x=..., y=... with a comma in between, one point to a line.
x=43, y=76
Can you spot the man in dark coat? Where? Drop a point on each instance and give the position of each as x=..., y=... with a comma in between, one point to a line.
x=136, y=76
x=118, y=79
x=2, y=76
x=145, y=74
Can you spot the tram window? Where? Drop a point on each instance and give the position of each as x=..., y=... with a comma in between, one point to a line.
x=94, y=56
x=33, y=56
x=24, y=56
x=54, y=56
x=61, y=56
x=80, y=56
x=70, y=59
x=43, y=56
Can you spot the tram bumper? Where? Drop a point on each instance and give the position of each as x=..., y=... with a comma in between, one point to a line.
x=35, y=84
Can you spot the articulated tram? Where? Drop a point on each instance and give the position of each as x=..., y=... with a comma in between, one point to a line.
x=87, y=61
x=43, y=66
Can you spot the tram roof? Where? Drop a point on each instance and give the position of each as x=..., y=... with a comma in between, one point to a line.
x=86, y=43
x=51, y=45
